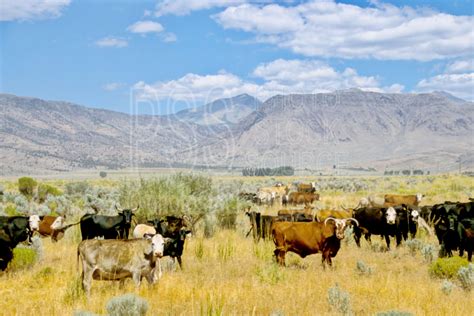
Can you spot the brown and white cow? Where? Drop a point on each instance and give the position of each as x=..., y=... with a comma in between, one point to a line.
x=397, y=199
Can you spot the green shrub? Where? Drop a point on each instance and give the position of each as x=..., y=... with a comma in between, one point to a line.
x=77, y=188
x=199, y=249
x=45, y=189
x=23, y=258
x=10, y=210
x=447, y=268
x=27, y=186
x=74, y=292
x=227, y=215
x=339, y=300
x=414, y=245
x=270, y=273
x=127, y=305
x=429, y=253
x=466, y=277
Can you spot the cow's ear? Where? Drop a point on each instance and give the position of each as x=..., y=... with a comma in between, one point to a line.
x=148, y=236
x=41, y=217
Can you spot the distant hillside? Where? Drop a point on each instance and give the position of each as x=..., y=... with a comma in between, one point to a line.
x=222, y=111
x=345, y=128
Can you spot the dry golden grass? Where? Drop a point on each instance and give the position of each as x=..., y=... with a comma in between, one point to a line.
x=230, y=274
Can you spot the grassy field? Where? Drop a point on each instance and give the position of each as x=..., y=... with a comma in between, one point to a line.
x=230, y=274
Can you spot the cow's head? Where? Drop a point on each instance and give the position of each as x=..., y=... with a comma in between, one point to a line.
x=157, y=244
x=33, y=222
x=58, y=223
x=340, y=225
x=419, y=196
x=414, y=213
x=391, y=215
x=127, y=214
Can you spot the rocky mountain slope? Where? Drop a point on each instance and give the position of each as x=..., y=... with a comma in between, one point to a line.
x=345, y=128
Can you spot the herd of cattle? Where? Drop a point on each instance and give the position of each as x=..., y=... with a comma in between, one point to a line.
x=309, y=230
x=107, y=253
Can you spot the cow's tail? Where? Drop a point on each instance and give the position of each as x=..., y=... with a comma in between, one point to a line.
x=68, y=226
x=77, y=259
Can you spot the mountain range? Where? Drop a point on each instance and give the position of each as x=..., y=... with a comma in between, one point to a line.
x=343, y=129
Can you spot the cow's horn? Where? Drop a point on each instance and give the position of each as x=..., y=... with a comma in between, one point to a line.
x=325, y=221
x=116, y=207
x=135, y=209
x=354, y=220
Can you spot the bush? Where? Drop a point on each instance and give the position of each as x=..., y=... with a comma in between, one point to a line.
x=103, y=174
x=447, y=268
x=414, y=245
x=22, y=206
x=74, y=291
x=77, y=188
x=363, y=269
x=23, y=258
x=227, y=216
x=45, y=189
x=429, y=253
x=127, y=305
x=27, y=186
x=339, y=300
x=466, y=277
x=271, y=274
x=447, y=287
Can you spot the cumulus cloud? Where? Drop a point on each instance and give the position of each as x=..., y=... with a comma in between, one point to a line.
x=457, y=79
x=112, y=42
x=329, y=29
x=144, y=27
x=278, y=77
x=31, y=9
x=169, y=37
x=183, y=7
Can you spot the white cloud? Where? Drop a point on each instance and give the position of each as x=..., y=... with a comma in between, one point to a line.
x=112, y=42
x=143, y=27
x=459, y=85
x=169, y=37
x=460, y=66
x=11, y=10
x=329, y=29
x=279, y=77
x=112, y=86
x=183, y=7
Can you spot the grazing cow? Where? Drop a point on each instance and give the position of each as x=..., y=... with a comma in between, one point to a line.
x=141, y=230
x=251, y=197
x=376, y=221
x=109, y=227
x=14, y=230
x=309, y=238
x=296, y=198
x=279, y=190
x=119, y=259
x=397, y=199
x=52, y=226
x=306, y=188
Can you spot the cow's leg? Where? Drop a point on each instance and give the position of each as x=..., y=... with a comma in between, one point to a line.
x=180, y=262
x=87, y=278
x=387, y=240
x=137, y=277
x=398, y=237
x=357, y=235
x=368, y=238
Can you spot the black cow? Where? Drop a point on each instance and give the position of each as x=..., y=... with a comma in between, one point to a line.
x=407, y=220
x=466, y=227
x=108, y=227
x=376, y=221
x=173, y=227
x=14, y=230
x=451, y=222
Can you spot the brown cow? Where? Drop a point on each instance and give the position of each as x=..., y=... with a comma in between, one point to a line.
x=321, y=215
x=296, y=198
x=297, y=215
x=53, y=226
x=397, y=199
x=309, y=238
x=307, y=187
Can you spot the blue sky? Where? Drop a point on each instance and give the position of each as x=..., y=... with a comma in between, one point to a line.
x=111, y=54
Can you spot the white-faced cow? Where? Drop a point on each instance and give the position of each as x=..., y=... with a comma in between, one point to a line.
x=119, y=259
x=376, y=221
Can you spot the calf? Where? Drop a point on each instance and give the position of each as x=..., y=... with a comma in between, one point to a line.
x=309, y=238
x=119, y=259
x=297, y=198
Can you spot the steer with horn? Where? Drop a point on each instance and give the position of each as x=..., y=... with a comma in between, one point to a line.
x=309, y=238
